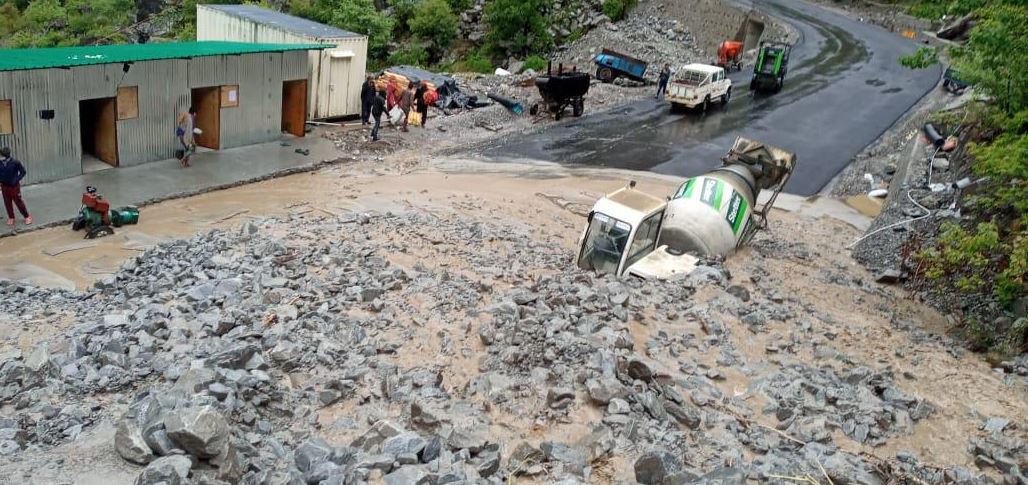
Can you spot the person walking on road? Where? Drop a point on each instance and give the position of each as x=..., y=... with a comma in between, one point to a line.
x=186, y=128
x=368, y=93
x=421, y=103
x=378, y=107
x=665, y=76
x=11, y=173
x=406, y=102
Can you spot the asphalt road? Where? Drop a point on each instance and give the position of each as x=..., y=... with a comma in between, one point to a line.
x=844, y=89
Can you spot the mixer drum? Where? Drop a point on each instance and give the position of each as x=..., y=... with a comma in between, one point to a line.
x=708, y=214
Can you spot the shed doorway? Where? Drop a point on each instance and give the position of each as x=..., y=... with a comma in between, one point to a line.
x=294, y=107
x=207, y=102
x=98, y=122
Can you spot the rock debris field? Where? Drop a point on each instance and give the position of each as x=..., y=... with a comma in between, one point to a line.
x=414, y=348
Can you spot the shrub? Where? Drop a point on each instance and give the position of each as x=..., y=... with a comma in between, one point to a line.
x=618, y=9
x=518, y=26
x=920, y=59
x=473, y=63
x=535, y=63
x=435, y=22
x=412, y=55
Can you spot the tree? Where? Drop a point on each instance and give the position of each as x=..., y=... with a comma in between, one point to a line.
x=403, y=11
x=435, y=22
x=518, y=26
x=10, y=20
x=359, y=16
x=996, y=54
x=100, y=21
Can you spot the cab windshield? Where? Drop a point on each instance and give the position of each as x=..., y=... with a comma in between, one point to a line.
x=604, y=244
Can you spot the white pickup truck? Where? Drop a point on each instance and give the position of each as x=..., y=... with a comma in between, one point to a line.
x=698, y=85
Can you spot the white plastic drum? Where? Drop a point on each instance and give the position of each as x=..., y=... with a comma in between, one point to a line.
x=707, y=216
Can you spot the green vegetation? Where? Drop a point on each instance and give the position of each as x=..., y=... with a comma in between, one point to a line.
x=618, y=9
x=473, y=63
x=518, y=27
x=412, y=55
x=987, y=258
x=935, y=9
x=354, y=15
x=535, y=63
x=434, y=21
x=920, y=59
x=51, y=23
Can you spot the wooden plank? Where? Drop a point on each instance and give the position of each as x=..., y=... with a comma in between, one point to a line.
x=230, y=96
x=128, y=102
x=294, y=106
x=106, y=132
x=6, y=117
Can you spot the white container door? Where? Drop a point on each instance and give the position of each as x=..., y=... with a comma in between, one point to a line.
x=339, y=83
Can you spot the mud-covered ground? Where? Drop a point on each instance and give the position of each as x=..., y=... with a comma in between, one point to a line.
x=442, y=309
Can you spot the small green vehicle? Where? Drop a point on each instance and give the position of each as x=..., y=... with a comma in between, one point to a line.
x=771, y=67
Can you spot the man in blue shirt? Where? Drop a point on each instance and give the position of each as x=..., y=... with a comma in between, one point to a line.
x=11, y=173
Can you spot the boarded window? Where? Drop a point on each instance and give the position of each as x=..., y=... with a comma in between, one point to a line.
x=128, y=102
x=6, y=117
x=230, y=96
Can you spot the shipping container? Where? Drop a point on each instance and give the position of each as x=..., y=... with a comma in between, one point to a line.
x=334, y=74
x=66, y=111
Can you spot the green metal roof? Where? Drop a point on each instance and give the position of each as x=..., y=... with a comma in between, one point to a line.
x=21, y=59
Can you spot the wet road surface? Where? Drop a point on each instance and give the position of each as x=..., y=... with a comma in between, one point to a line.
x=845, y=88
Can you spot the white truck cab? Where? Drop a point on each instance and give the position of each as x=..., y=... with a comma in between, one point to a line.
x=621, y=237
x=699, y=85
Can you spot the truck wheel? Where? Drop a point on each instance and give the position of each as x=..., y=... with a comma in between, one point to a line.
x=706, y=104
x=753, y=84
x=558, y=114
x=605, y=74
x=778, y=85
x=726, y=97
x=578, y=108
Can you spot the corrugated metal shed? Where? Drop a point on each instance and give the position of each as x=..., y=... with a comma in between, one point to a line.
x=18, y=59
x=288, y=23
x=335, y=74
x=49, y=105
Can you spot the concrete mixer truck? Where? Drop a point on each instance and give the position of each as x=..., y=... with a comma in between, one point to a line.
x=634, y=233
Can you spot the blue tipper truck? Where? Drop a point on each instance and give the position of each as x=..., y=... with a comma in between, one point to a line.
x=611, y=65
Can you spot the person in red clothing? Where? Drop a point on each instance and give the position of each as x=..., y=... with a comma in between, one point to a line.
x=11, y=173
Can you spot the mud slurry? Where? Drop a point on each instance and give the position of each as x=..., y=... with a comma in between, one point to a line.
x=458, y=328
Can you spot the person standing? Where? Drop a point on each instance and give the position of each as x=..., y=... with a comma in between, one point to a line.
x=665, y=76
x=421, y=103
x=406, y=102
x=377, y=109
x=11, y=173
x=368, y=92
x=186, y=128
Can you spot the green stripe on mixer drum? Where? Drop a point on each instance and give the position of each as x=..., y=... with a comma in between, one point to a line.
x=686, y=190
x=711, y=192
x=736, y=211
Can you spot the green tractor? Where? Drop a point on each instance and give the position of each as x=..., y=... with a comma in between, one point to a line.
x=771, y=67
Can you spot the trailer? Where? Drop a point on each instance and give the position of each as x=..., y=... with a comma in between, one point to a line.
x=611, y=65
x=560, y=90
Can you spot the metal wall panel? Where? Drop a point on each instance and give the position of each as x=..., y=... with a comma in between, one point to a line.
x=327, y=97
x=163, y=94
x=208, y=71
x=49, y=148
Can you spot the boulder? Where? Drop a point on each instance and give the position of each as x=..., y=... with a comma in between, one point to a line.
x=202, y=431
x=168, y=470
x=654, y=467
x=404, y=443
x=129, y=443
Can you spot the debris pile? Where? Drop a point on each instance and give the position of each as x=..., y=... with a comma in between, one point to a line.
x=417, y=348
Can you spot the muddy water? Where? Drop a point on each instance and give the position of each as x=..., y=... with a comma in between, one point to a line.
x=307, y=195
